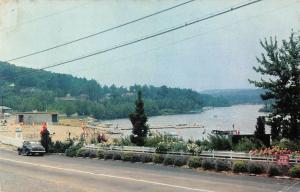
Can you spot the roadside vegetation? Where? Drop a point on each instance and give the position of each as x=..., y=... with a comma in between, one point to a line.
x=163, y=155
x=193, y=162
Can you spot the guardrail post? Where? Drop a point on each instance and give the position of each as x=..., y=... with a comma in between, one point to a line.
x=213, y=153
x=250, y=156
x=230, y=154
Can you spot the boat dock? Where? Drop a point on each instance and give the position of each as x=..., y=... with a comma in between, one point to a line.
x=173, y=127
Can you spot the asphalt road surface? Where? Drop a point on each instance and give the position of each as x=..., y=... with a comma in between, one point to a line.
x=64, y=174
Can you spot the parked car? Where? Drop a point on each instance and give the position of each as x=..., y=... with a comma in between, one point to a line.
x=31, y=148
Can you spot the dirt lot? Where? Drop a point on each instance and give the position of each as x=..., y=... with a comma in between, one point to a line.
x=59, y=132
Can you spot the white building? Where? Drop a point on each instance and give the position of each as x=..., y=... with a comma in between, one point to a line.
x=36, y=117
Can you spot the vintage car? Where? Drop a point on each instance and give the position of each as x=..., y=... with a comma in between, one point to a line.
x=31, y=148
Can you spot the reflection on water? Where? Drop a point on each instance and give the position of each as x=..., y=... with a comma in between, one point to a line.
x=243, y=117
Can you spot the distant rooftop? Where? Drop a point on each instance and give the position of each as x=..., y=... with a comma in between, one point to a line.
x=54, y=113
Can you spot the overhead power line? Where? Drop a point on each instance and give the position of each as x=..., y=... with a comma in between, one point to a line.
x=154, y=35
x=98, y=33
x=149, y=36
x=217, y=29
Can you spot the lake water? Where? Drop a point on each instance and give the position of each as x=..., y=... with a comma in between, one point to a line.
x=243, y=117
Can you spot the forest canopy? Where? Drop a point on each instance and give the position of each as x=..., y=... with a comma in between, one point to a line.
x=47, y=91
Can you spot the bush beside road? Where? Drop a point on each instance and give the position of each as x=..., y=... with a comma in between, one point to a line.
x=193, y=162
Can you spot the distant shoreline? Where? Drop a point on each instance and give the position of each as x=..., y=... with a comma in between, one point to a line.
x=191, y=112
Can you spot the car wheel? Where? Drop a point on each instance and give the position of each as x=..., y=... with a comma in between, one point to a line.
x=19, y=152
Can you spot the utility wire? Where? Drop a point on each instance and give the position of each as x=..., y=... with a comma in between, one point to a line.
x=154, y=35
x=150, y=36
x=100, y=32
x=194, y=36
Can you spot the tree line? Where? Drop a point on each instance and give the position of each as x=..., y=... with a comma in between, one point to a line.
x=38, y=90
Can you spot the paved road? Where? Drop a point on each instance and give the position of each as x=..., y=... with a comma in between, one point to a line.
x=60, y=173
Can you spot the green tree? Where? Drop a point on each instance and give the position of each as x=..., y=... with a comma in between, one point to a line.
x=98, y=111
x=281, y=68
x=82, y=108
x=260, y=131
x=276, y=128
x=69, y=109
x=139, y=119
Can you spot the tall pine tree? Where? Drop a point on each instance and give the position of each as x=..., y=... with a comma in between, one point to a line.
x=139, y=119
x=281, y=68
x=260, y=131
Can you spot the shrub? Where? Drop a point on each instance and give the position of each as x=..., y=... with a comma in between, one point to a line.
x=92, y=154
x=158, y=158
x=194, y=162
x=123, y=141
x=136, y=157
x=245, y=145
x=273, y=171
x=146, y=158
x=205, y=145
x=60, y=147
x=222, y=165
x=194, y=148
x=208, y=164
x=100, y=154
x=169, y=160
x=198, y=142
x=72, y=151
x=117, y=156
x=288, y=144
x=256, y=168
x=162, y=147
x=81, y=152
x=127, y=156
x=218, y=142
x=240, y=167
x=93, y=141
x=108, y=155
x=178, y=146
x=294, y=171
x=180, y=161
x=155, y=138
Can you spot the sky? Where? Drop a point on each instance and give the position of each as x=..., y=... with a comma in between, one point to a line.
x=218, y=53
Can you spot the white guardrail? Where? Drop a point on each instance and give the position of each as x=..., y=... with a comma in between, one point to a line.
x=207, y=154
x=11, y=141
